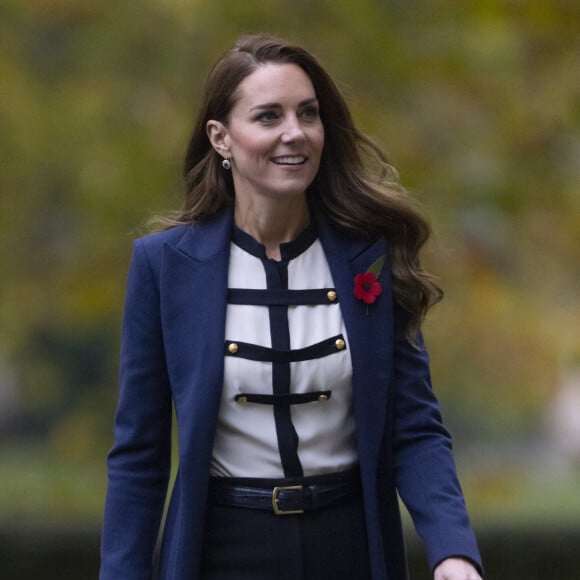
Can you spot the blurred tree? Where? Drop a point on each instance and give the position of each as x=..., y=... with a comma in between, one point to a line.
x=477, y=104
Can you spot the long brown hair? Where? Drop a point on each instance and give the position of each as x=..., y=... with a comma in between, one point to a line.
x=355, y=186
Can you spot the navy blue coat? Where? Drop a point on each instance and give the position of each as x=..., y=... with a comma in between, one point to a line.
x=172, y=354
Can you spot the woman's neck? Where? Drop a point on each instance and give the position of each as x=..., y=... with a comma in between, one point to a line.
x=274, y=223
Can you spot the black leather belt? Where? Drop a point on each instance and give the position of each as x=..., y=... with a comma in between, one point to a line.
x=286, y=496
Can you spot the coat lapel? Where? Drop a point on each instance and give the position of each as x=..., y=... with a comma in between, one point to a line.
x=194, y=285
x=370, y=334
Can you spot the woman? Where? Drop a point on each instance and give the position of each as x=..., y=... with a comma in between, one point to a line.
x=279, y=314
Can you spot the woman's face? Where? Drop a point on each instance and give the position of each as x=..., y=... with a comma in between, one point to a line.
x=274, y=135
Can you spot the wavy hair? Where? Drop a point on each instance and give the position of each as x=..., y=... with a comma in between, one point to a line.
x=355, y=186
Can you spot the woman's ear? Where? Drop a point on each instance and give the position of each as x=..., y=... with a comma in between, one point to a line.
x=217, y=134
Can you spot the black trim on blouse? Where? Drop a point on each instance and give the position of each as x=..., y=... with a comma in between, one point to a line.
x=282, y=296
x=255, y=352
x=289, y=399
x=288, y=250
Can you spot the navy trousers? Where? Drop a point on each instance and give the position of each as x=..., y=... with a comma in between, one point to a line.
x=247, y=544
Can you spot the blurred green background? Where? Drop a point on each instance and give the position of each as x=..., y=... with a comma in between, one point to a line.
x=478, y=106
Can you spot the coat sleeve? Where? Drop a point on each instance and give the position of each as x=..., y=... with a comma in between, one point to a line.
x=139, y=461
x=425, y=472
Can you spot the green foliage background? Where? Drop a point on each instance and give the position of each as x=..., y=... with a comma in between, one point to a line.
x=478, y=106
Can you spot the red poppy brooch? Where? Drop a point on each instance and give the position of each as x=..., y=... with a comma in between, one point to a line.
x=366, y=285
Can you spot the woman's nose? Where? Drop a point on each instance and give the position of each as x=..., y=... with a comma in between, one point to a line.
x=292, y=130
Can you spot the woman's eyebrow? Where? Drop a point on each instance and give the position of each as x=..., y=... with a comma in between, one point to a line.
x=303, y=103
x=266, y=106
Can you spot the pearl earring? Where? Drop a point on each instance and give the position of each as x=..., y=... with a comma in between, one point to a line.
x=226, y=164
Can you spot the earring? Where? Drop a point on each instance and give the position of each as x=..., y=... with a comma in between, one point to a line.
x=226, y=164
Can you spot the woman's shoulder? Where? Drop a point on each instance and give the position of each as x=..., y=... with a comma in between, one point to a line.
x=198, y=240
x=343, y=240
x=150, y=246
x=158, y=239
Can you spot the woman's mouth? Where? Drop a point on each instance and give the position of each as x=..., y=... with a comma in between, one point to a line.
x=289, y=160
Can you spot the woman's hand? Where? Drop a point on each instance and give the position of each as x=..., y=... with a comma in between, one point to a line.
x=455, y=569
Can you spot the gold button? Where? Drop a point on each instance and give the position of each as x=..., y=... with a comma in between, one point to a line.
x=233, y=348
x=323, y=397
x=331, y=295
x=339, y=343
x=242, y=399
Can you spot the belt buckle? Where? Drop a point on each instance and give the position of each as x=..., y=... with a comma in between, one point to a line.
x=275, y=493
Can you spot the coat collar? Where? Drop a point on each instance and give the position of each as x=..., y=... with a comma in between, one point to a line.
x=204, y=240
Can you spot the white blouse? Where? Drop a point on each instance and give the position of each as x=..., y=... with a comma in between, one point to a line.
x=246, y=443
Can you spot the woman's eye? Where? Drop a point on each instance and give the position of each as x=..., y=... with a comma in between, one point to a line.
x=311, y=113
x=267, y=117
